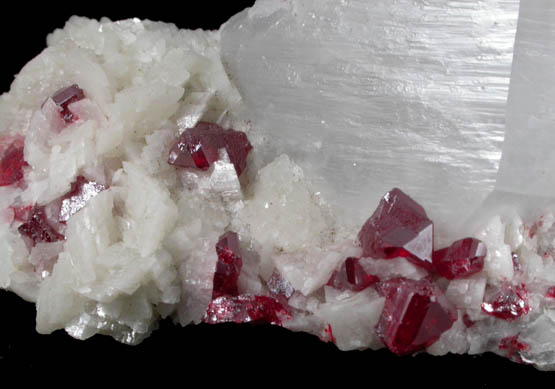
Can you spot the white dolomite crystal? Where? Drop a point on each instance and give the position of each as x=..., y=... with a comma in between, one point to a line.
x=341, y=101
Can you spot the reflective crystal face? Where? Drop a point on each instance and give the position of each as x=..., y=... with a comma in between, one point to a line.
x=352, y=275
x=82, y=190
x=462, y=259
x=414, y=316
x=64, y=97
x=228, y=266
x=199, y=147
x=245, y=308
x=399, y=227
x=507, y=302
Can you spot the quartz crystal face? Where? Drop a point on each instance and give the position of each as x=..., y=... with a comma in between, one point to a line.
x=238, y=176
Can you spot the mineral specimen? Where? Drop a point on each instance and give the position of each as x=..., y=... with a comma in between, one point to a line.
x=334, y=167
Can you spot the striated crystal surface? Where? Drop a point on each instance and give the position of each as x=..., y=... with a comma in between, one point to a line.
x=462, y=259
x=399, y=227
x=366, y=96
x=414, y=316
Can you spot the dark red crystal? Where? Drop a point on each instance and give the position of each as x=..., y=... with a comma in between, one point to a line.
x=245, y=308
x=467, y=321
x=352, y=275
x=399, y=227
x=12, y=163
x=82, y=190
x=22, y=214
x=508, y=302
x=414, y=316
x=550, y=292
x=513, y=347
x=38, y=229
x=462, y=259
x=66, y=96
x=228, y=266
x=199, y=147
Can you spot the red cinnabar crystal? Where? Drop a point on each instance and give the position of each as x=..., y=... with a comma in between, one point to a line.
x=508, y=302
x=352, y=275
x=245, y=308
x=550, y=292
x=199, y=147
x=228, y=266
x=82, y=190
x=462, y=259
x=399, y=227
x=513, y=347
x=12, y=163
x=414, y=316
x=38, y=229
x=64, y=97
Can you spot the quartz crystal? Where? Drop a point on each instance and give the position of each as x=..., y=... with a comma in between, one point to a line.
x=341, y=168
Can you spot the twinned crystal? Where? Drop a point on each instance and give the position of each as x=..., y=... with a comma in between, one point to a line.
x=328, y=167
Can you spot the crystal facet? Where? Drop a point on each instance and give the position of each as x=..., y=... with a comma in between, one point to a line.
x=38, y=229
x=12, y=163
x=228, y=266
x=199, y=147
x=352, y=275
x=64, y=97
x=399, y=227
x=245, y=308
x=414, y=316
x=462, y=259
x=82, y=190
x=508, y=302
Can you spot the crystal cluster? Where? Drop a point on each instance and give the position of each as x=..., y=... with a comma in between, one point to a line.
x=298, y=168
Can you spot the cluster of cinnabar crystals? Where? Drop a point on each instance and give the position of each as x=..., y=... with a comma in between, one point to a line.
x=227, y=304
x=513, y=347
x=416, y=313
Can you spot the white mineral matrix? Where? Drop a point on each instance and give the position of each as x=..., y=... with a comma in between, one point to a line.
x=363, y=172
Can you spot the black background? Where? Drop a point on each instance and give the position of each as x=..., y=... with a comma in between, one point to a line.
x=232, y=354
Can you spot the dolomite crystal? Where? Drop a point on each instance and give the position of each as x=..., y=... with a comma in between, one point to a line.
x=318, y=165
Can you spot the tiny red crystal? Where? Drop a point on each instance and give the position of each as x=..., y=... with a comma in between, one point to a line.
x=199, y=147
x=38, y=229
x=228, y=266
x=462, y=259
x=245, y=308
x=414, y=316
x=352, y=275
x=66, y=96
x=399, y=227
x=550, y=292
x=513, y=347
x=508, y=302
x=12, y=163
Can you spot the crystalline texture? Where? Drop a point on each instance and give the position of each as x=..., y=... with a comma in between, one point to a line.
x=414, y=316
x=64, y=97
x=399, y=227
x=508, y=302
x=352, y=275
x=82, y=190
x=198, y=147
x=462, y=259
x=38, y=229
x=228, y=266
x=245, y=308
x=367, y=96
x=12, y=163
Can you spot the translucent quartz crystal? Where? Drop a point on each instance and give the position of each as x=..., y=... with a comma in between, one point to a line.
x=366, y=96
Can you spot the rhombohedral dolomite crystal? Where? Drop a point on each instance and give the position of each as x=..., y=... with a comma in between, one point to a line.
x=340, y=168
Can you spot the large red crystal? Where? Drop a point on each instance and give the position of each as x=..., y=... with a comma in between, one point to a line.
x=228, y=266
x=399, y=227
x=462, y=259
x=12, y=162
x=38, y=229
x=82, y=190
x=352, y=275
x=199, y=147
x=414, y=316
x=66, y=96
x=508, y=302
x=245, y=308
